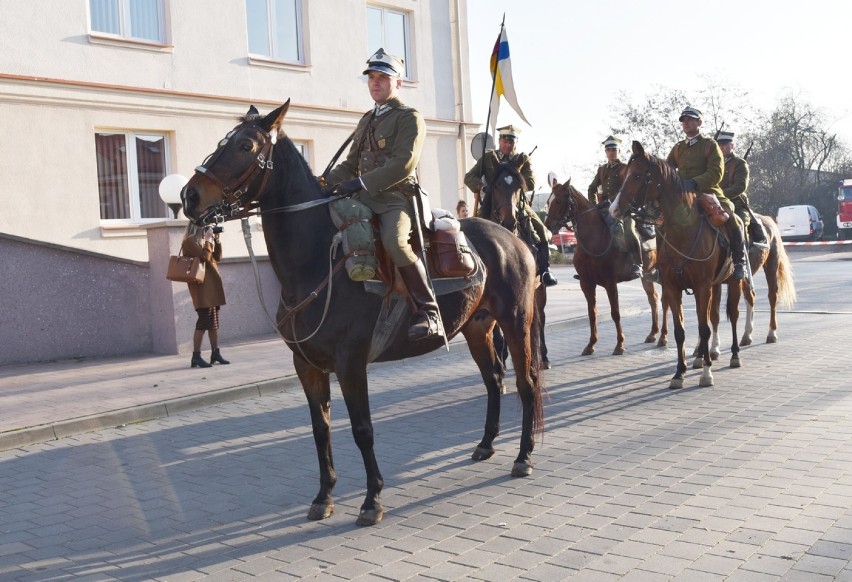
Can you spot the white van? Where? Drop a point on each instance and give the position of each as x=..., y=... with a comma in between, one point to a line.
x=799, y=223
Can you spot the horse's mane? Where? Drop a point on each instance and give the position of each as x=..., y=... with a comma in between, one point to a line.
x=671, y=178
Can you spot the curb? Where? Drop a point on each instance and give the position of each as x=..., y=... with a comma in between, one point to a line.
x=145, y=412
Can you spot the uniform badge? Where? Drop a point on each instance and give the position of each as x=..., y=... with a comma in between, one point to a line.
x=381, y=143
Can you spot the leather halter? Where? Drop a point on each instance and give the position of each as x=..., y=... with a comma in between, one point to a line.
x=233, y=204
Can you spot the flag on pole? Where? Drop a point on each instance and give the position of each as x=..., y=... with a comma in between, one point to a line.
x=501, y=75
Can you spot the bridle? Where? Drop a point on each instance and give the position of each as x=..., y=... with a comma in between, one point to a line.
x=234, y=203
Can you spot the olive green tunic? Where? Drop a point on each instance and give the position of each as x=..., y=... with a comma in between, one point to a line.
x=735, y=185
x=608, y=178
x=702, y=162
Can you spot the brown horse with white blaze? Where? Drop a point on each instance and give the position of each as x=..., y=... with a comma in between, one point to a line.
x=692, y=257
x=257, y=167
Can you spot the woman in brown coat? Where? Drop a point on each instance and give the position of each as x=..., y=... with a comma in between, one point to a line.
x=208, y=296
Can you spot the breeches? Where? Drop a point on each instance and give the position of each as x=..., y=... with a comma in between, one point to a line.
x=537, y=225
x=741, y=208
x=394, y=229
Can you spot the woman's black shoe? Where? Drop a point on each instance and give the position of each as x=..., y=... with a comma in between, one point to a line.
x=216, y=358
x=197, y=361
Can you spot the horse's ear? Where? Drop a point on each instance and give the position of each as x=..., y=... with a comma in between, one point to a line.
x=252, y=111
x=638, y=150
x=275, y=119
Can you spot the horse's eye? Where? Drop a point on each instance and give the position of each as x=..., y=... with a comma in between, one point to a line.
x=246, y=146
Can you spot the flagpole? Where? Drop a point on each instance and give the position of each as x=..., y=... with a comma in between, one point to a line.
x=493, y=87
x=488, y=118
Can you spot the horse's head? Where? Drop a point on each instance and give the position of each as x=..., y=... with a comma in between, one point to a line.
x=561, y=206
x=231, y=180
x=640, y=184
x=505, y=192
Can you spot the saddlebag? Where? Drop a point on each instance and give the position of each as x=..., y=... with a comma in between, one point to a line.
x=449, y=254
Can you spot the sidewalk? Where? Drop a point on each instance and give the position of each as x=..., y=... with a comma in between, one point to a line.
x=42, y=402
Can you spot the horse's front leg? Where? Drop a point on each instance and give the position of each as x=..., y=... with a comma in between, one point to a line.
x=479, y=333
x=315, y=384
x=703, y=307
x=615, y=313
x=749, y=319
x=673, y=299
x=588, y=289
x=352, y=374
x=713, y=345
x=541, y=303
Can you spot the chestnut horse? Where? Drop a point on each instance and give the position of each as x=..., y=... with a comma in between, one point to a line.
x=692, y=257
x=257, y=166
x=504, y=205
x=599, y=262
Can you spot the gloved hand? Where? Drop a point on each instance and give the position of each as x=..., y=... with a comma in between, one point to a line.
x=690, y=185
x=348, y=187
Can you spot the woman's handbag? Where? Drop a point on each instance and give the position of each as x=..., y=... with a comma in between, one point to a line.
x=185, y=269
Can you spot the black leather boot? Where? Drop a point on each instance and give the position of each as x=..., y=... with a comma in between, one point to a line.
x=737, y=249
x=425, y=322
x=197, y=361
x=216, y=358
x=757, y=235
x=542, y=259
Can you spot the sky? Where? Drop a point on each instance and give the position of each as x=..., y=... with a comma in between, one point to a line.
x=572, y=58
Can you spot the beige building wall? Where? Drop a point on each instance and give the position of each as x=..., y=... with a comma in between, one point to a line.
x=60, y=84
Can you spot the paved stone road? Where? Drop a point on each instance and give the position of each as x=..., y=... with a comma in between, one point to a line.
x=747, y=480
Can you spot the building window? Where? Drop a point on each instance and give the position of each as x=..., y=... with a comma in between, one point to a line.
x=129, y=19
x=130, y=168
x=389, y=29
x=302, y=148
x=275, y=30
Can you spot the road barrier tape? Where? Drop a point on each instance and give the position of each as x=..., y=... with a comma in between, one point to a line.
x=818, y=243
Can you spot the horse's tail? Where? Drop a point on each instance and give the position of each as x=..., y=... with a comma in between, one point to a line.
x=786, y=288
x=538, y=387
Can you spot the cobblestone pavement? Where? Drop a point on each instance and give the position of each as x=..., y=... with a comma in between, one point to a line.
x=748, y=480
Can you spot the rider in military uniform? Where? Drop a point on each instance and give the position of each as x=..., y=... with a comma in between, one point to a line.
x=379, y=171
x=735, y=184
x=698, y=160
x=603, y=189
x=485, y=168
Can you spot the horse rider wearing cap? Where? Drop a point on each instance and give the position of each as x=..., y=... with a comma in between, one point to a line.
x=735, y=185
x=486, y=168
x=379, y=171
x=603, y=189
x=698, y=160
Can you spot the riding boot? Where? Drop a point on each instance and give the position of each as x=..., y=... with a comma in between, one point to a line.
x=543, y=264
x=757, y=234
x=737, y=248
x=425, y=322
x=216, y=357
x=197, y=361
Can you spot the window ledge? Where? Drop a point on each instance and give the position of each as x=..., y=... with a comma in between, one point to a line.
x=125, y=229
x=109, y=40
x=272, y=63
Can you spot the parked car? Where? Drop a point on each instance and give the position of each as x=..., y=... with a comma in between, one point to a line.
x=564, y=240
x=800, y=222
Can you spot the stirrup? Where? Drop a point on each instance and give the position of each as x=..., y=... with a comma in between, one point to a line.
x=424, y=326
x=760, y=245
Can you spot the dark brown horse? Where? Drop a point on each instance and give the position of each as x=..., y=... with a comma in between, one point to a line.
x=693, y=257
x=599, y=262
x=256, y=165
x=505, y=205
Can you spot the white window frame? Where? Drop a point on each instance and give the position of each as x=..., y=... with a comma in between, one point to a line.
x=272, y=38
x=407, y=49
x=133, y=189
x=125, y=24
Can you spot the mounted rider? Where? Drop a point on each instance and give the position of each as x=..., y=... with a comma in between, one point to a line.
x=486, y=167
x=735, y=186
x=603, y=190
x=698, y=160
x=380, y=172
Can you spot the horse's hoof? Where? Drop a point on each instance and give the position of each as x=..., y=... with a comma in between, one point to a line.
x=320, y=511
x=746, y=341
x=521, y=469
x=652, y=337
x=662, y=343
x=705, y=381
x=368, y=517
x=482, y=454
x=735, y=363
x=545, y=364
x=588, y=351
x=676, y=383
x=771, y=339
x=618, y=352
x=698, y=363
x=714, y=355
